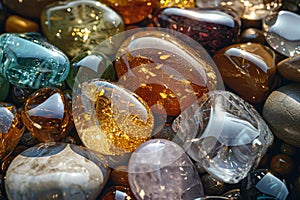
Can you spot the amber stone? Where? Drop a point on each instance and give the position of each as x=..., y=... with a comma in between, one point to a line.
x=252, y=35
x=248, y=69
x=176, y=3
x=118, y=192
x=119, y=175
x=289, y=68
x=27, y=8
x=46, y=113
x=212, y=28
x=17, y=24
x=166, y=72
x=126, y=8
x=282, y=164
x=11, y=129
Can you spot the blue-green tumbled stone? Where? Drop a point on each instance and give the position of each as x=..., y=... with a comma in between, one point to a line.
x=29, y=61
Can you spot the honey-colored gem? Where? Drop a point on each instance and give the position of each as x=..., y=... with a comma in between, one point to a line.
x=176, y=3
x=46, y=114
x=17, y=24
x=11, y=129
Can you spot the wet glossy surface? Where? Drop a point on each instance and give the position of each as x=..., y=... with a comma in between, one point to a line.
x=290, y=68
x=176, y=3
x=17, y=24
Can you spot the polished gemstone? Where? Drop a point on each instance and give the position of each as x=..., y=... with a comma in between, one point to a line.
x=282, y=113
x=262, y=184
x=252, y=35
x=259, y=9
x=282, y=164
x=160, y=169
x=110, y=119
x=236, y=5
x=79, y=26
x=289, y=68
x=118, y=193
x=176, y=3
x=88, y=66
x=17, y=24
x=56, y=171
x=28, y=8
x=119, y=175
x=47, y=115
x=212, y=28
x=283, y=32
x=4, y=88
x=248, y=69
x=11, y=129
x=225, y=134
x=140, y=8
x=28, y=60
x=166, y=72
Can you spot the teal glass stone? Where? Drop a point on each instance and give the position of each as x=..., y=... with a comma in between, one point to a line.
x=4, y=88
x=88, y=66
x=29, y=61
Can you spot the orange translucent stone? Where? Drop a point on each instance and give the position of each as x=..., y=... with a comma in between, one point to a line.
x=46, y=113
x=167, y=73
x=132, y=11
x=11, y=129
x=17, y=24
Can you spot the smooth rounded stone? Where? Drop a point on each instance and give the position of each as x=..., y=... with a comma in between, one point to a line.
x=47, y=115
x=140, y=8
x=90, y=65
x=166, y=68
x=29, y=61
x=262, y=184
x=225, y=134
x=4, y=88
x=282, y=113
x=11, y=129
x=119, y=175
x=212, y=28
x=160, y=169
x=248, y=69
x=79, y=26
x=118, y=193
x=110, y=119
x=282, y=164
x=17, y=24
x=176, y=3
x=237, y=6
x=27, y=8
x=290, y=68
x=283, y=32
x=252, y=35
x=56, y=171
x=259, y=9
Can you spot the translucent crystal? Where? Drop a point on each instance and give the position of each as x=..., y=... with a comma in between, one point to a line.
x=160, y=169
x=283, y=32
x=225, y=134
x=28, y=60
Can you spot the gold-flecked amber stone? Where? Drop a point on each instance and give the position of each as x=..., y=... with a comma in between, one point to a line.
x=11, y=129
x=46, y=113
x=110, y=119
x=17, y=24
x=176, y=3
x=126, y=8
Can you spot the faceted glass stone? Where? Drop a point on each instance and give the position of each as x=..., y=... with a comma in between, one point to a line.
x=160, y=169
x=118, y=193
x=47, y=115
x=165, y=71
x=27, y=8
x=140, y=8
x=259, y=9
x=28, y=60
x=56, y=171
x=212, y=28
x=176, y=3
x=225, y=134
x=110, y=119
x=262, y=184
x=4, y=88
x=17, y=24
x=283, y=32
x=79, y=26
x=290, y=68
x=87, y=66
x=248, y=69
x=11, y=129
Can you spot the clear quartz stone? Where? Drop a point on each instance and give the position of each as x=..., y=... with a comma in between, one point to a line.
x=283, y=32
x=225, y=134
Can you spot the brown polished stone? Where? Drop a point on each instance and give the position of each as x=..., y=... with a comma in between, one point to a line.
x=290, y=68
x=248, y=69
x=252, y=35
x=17, y=24
x=46, y=114
x=119, y=175
x=282, y=164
